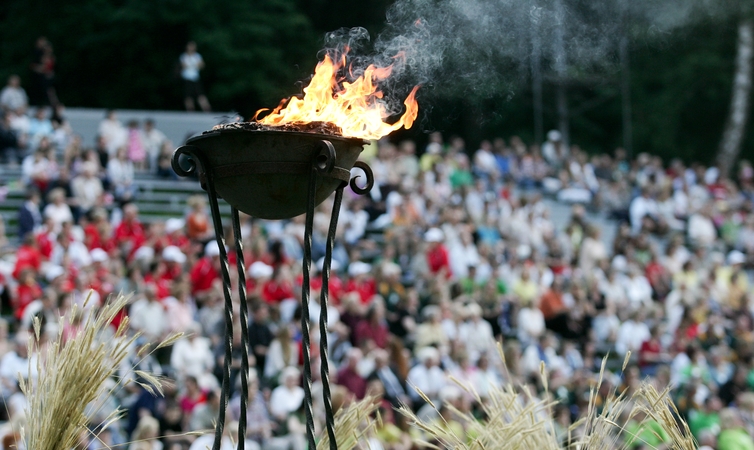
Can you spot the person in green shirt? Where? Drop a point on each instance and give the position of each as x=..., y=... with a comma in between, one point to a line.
x=733, y=435
x=641, y=431
x=707, y=418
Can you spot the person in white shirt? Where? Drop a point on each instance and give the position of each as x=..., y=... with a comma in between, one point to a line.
x=87, y=188
x=632, y=333
x=120, y=171
x=13, y=97
x=192, y=356
x=426, y=376
x=638, y=289
x=113, y=132
x=476, y=333
x=147, y=315
x=642, y=207
x=287, y=397
x=191, y=64
x=153, y=139
x=702, y=231
x=57, y=209
x=228, y=442
x=531, y=323
x=16, y=362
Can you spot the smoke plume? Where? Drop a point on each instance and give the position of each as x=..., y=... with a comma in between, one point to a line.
x=483, y=47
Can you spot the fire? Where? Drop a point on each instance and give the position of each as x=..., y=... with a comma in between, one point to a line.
x=357, y=107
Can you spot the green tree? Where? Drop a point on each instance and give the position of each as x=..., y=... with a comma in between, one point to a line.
x=124, y=53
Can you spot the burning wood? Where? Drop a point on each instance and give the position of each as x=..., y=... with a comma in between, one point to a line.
x=301, y=127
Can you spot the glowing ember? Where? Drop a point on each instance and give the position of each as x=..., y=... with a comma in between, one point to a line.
x=356, y=107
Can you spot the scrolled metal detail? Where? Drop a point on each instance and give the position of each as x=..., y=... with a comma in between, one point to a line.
x=196, y=163
x=369, y=177
x=325, y=159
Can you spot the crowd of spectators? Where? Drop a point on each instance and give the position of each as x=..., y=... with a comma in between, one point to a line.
x=453, y=252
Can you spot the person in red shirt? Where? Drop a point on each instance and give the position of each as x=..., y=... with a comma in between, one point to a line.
x=27, y=256
x=46, y=239
x=259, y=274
x=373, y=328
x=130, y=232
x=175, y=236
x=28, y=290
x=205, y=271
x=349, y=376
x=174, y=260
x=437, y=254
x=280, y=287
x=335, y=284
x=658, y=278
x=361, y=281
x=651, y=353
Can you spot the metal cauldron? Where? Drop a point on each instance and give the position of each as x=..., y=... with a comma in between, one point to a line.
x=265, y=173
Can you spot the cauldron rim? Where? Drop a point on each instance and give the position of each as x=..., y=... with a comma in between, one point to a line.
x=282, y=133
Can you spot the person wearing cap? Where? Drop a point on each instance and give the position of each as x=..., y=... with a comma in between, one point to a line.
x=174, y=260
x=103, y=280
x=438, y=259
x=390, y=287
x=257, y=275
x=206, y=271
x=361, y=281
x=426, y=376
x=175, y=235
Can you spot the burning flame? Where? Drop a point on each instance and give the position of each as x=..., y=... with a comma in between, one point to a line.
x=356, y=107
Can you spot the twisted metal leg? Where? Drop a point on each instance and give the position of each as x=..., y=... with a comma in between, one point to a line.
x=225, y=393
x=244, y=317
x=324, y=296
x=305, y=294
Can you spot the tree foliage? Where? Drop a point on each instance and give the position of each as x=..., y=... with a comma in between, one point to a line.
x=124, y=54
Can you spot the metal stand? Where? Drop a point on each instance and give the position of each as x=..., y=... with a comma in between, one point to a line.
x=321, y=166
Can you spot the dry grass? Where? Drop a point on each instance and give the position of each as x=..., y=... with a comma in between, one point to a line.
x=352, y=424
x=518, y=421
x=71, y=377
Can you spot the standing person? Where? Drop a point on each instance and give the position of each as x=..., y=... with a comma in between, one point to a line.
x=191, y=64
x=43, y=71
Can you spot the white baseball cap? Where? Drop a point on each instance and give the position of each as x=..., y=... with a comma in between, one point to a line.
x=260, y=270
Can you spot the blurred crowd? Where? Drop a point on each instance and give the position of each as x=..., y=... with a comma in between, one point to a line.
x=452, y=259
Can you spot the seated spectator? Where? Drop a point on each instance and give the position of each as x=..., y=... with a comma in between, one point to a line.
x=282, y=353
x=349, y=375
x=13, y=97
x=57, y=209
x=87, y=188
x=287, y=397
x=136, y=152
x=120, y=172
x=29, y=215
x=204, y=414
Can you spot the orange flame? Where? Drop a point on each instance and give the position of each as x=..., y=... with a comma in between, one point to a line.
x=356, y=107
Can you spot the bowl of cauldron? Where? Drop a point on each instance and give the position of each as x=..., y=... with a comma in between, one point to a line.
x=265, y=172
